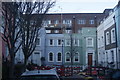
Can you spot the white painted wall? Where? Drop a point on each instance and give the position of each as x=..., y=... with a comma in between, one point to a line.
x=101, y=43
x=105, y=56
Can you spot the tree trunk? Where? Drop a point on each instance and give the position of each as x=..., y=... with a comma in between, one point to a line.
x=11, y=68
x=25, y=63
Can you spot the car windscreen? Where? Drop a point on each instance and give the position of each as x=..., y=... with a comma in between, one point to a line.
x=39, y=77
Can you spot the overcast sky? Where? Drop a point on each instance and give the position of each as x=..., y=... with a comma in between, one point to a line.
x=83, y=6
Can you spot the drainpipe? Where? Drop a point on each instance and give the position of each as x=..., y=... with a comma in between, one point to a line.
x=116, y=42
x=96, y=51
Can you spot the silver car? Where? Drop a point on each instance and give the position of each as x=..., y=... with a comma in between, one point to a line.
x=40, y=75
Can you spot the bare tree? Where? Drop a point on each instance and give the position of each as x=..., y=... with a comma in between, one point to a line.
x=32, y=15
x=22, y=21
x=11, y=31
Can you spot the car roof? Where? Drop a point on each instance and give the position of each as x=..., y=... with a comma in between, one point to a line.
x=39, y=72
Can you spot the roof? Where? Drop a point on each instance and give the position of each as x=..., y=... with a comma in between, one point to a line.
x=40, y=72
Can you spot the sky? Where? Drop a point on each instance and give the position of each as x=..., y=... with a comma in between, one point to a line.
x=82, y=6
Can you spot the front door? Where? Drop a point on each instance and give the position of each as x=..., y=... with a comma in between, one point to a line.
x=90, y=59
x=36, y=59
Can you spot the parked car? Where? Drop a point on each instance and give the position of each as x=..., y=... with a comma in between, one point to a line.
x=88, y=78
x=40, y=75
x=116, y=75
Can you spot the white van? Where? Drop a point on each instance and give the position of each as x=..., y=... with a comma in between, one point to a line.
x=40, y=75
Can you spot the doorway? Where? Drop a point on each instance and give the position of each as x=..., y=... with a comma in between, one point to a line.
x=90, y=56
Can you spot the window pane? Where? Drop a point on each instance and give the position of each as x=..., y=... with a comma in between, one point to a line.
x=51, y=41
x=76, y=57
x=68, y=42
x=107, y=38
x=51, y=57
x=113, y=35
x=67, y=56
x=59, y=41
x=38, y=41
x=112, y=53
x=76, y=42
x=48, y=31
x=67, y=22
x=81, y=21
x=56, y=22
x=89, y=42
x=59, y=56
x=56, y=31
x=91, y=22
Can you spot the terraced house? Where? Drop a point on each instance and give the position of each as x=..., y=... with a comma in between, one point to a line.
x=117, y=22
x=67, y=39
x=108, y=40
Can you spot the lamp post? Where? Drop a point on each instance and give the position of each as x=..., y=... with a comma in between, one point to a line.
x=71, y=39
x=61, y=18
x=71, y=53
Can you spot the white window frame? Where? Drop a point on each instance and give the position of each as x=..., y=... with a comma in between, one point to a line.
x=67, y=31
x=77, y=42
x=66, y=42
x=66, y=57
x=113, y=35
x=112, y=55
x=48, y=31
x=32, y=56
x=57, y=57
x=91, y=21
x=49, y=58
x=45, y=23
x=78, y=57
x=81, y=21
x=68, y=22
x=58, y=42
x=52, y=42
x=48, y=21
x=39, y=42
x=102, y=40
x=51, y=25
x=56, y=22
x=87, y=42
x=107, y=38
x=56, y=31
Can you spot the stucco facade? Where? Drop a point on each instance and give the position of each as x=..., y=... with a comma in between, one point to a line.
x=89, y=46
x=101, y=45
x=38, y=52
x=107, y=47
x=55, y=40
x=117, y=20
x=75, y=42
x=54, y=48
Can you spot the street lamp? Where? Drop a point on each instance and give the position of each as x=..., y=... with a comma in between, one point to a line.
x=61, y=18
x=71, y=53
x=71, y=39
